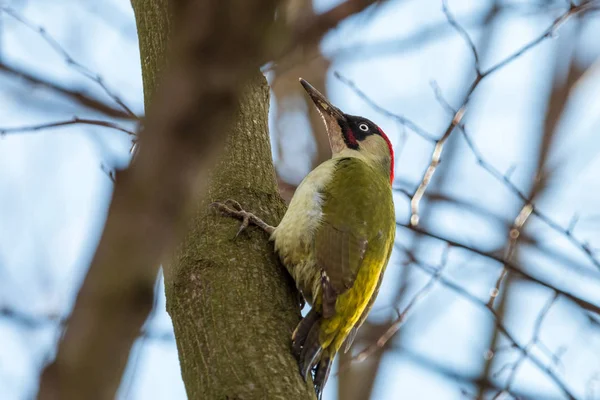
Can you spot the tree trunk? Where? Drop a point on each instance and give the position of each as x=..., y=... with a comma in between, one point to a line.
x=233, y=305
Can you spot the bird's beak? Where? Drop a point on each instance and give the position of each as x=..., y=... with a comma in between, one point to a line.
x=332, y=116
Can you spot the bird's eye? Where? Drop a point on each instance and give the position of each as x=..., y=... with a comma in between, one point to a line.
x=363, y=127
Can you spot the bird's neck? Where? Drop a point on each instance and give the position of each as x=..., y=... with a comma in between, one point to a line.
x=382, y=164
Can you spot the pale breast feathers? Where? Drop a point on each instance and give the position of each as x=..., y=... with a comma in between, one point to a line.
x=305, y=211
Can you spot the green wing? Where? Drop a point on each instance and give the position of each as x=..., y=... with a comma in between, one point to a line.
x=357, y=207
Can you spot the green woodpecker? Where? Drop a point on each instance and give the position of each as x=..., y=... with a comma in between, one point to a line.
x=336, y=236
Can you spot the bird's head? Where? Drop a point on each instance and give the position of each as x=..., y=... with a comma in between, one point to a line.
x=352, y=135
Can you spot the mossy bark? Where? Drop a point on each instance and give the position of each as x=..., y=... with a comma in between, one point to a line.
x=152, y=18
x=233, y=305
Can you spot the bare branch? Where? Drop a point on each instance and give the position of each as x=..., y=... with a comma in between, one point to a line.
x=395, y=325
x=523, y=350
x=109, y=172
x=458, y=116
x=527, y=349
x=84, y=71
x=463, y=32
x=58, y=124
x=78, y=96
x=27, y=320
x=415, y=41
x=399, y=118
x=307, y=32
x=548, y=33
x=435, y=161
x=449, y=371
x=310, y=33
x=30, y=321
x=513, y=237
x=437, y=91
x=583, y=304
x=456, y=121
x=566, y=232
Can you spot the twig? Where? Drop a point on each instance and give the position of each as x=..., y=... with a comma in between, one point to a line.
x=583, y=304
x=527, y=349
x=505, y=178
x=501, y=328
x=40, y=321
x=29, y=321
x=413, y=41
x=437, y=91
x=567, y=232
x=513, y=237
x=572, y=223
x=307, y=32
x=548, y=33
x=310, y=32
x=80, y=97
x=451, y=373
x=58, y=124
x=461, y=31
x=399, y=118
x=480, y=76
x=435, y=161
x=109, y=172
x=83, y=70
x=457, y=115
x=395, y=325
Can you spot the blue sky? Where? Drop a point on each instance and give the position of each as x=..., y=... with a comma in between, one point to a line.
x=55, y=193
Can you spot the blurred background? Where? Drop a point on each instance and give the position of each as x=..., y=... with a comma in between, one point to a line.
x=517, y=189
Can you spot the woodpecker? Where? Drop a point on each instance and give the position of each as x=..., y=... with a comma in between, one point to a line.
x=336, y=237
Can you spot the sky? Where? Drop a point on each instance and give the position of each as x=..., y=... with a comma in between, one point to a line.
x=54, y=191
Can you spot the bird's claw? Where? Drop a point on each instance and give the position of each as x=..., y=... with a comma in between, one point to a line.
x=234, y=204
x=234, y=209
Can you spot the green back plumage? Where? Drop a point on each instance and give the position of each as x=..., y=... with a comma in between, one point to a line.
x=352, y=246
x=358, y=220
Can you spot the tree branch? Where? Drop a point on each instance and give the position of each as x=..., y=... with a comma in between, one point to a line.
x=58, y=124
x=583, y=304
x=70, y=61
x=395, y=325
x=78, y=96
x=480, y=76
x=523, y=350
x=306, y=33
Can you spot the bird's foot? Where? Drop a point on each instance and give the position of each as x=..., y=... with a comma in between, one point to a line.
x=233, y=209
